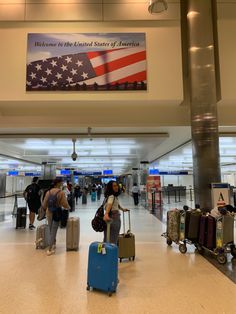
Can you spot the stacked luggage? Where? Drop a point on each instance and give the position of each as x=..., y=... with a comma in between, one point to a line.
x=213, y=234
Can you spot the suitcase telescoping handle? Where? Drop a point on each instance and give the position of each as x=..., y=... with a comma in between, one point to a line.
x=124, y=222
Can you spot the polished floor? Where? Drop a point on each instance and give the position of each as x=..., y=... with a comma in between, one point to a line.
x=160, y=280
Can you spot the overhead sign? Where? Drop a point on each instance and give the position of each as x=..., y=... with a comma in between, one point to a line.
x=176, y=173
x=107, y=172
x=220, y=194
x=86, y=61
x=153, y=171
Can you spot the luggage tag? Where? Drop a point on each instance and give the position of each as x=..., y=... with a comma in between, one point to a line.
x=99, y=248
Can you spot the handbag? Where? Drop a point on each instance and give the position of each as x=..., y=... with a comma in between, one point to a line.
x=98, y=224
x=41, y=213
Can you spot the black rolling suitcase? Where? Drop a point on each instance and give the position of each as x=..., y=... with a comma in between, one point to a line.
x=21, y=217
x=193, y=227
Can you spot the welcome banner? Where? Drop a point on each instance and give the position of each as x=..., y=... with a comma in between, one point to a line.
x=94, y=62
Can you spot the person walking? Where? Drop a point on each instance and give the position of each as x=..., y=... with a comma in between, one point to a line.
x=135, y=192
x=32, y=197
x=54, y=202
x=113, y=208
x=99, y=192
x=77, y=193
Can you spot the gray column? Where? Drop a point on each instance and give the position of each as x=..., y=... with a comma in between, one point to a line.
x=199, y=44
x=135, y=175
x=144, y=167
x=48, y=171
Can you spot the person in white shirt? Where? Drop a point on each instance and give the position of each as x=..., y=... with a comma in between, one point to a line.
x=113, y=211
x=135, y=192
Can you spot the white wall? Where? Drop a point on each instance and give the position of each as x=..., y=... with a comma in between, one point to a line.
x=17, y=184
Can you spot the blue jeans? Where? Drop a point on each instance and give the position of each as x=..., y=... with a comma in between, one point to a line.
x=53, y=227
x=115, y=228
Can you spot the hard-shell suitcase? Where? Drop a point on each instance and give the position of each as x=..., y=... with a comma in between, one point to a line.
x=126, y=242
x=193, y=227
x=21, y=217
x=224, y=230
x=93, y=196
x=72, y=234
x=42, y=236
x=173, y=221
x=103, y=266
x=64, y=218
x=203, y=230
x=84, y=199
x=211, y=233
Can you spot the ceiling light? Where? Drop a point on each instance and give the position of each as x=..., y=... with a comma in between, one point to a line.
x=157, y=6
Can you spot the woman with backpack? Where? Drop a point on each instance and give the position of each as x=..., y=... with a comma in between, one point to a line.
x=54, y=202
x=113, y=208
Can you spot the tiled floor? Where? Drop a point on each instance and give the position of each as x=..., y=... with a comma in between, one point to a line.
x=160, y=280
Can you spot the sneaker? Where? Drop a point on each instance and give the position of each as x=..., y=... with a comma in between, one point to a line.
x=50, y=252
x=31, y=227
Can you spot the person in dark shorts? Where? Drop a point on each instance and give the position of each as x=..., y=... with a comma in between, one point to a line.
x=32, y=196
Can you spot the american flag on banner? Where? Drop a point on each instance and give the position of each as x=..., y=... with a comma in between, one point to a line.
x=114, y=69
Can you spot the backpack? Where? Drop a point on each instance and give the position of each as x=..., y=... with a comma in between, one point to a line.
x=52, y=201
x=98, y=224
x=30, y=193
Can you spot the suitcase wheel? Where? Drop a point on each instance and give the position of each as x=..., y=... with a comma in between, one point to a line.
x=133, y=258
x=200, y=249
x=183, y=248
x=169, y=241
x=233, y=251
x=222, y=259
x=120, y=260
x=88, y=288
x=109, y=293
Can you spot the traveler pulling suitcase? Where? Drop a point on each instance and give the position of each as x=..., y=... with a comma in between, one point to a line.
x=72, y=234
x=21, y=217
x=42, y=236
x=103, y=266
x=126, y=242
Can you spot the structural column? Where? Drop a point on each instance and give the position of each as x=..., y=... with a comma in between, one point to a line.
x=48, y=171
x=143, y=172
x=201, y=65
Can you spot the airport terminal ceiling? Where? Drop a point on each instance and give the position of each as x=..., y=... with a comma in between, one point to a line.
x=167, y=149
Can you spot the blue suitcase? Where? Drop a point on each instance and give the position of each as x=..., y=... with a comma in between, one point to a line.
x=103, y=266
x=93, y=196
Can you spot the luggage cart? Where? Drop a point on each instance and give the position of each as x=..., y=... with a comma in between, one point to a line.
x=224, y=239
x=178, y=235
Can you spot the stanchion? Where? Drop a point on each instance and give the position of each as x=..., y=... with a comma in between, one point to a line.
x=191, y=196
x=15, y=206
x=179, y=195
x=153, y=201
x=160, y=197
x=175, y=197
x=168, y=195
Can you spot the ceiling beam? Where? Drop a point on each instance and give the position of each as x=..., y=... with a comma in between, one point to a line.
x=85, y=135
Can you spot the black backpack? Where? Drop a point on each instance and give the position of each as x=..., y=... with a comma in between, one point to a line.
x=31, y=193
x=98, y=224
